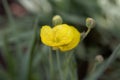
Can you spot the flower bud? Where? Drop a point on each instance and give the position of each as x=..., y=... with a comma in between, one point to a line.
x=90, y=23
x=99, y=58
x=57, y=20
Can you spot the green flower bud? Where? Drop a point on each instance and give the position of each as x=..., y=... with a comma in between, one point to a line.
x=90, y=23
x=57, y=20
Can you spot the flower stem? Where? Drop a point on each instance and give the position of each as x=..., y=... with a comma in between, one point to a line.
x=85, y=34
x=51, y=63
x=58, y=64
x=68, y=57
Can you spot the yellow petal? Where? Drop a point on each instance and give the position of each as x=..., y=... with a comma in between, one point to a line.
x=46, y=35
x=62, y=34
x=75, y=41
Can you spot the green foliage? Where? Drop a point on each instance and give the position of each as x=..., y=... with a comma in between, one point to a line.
x=26, y=58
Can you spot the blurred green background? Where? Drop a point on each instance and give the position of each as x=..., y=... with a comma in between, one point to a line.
x=24, y=57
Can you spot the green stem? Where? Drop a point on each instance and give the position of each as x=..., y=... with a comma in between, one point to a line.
x=58, y=64
x=95, y=65
x=68, y=57
x=73, y=69
x=85, y=34
x=51, y=64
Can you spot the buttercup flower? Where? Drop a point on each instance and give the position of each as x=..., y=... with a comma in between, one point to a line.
x=62, y=36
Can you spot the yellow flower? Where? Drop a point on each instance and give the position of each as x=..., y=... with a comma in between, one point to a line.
x=63, y=36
